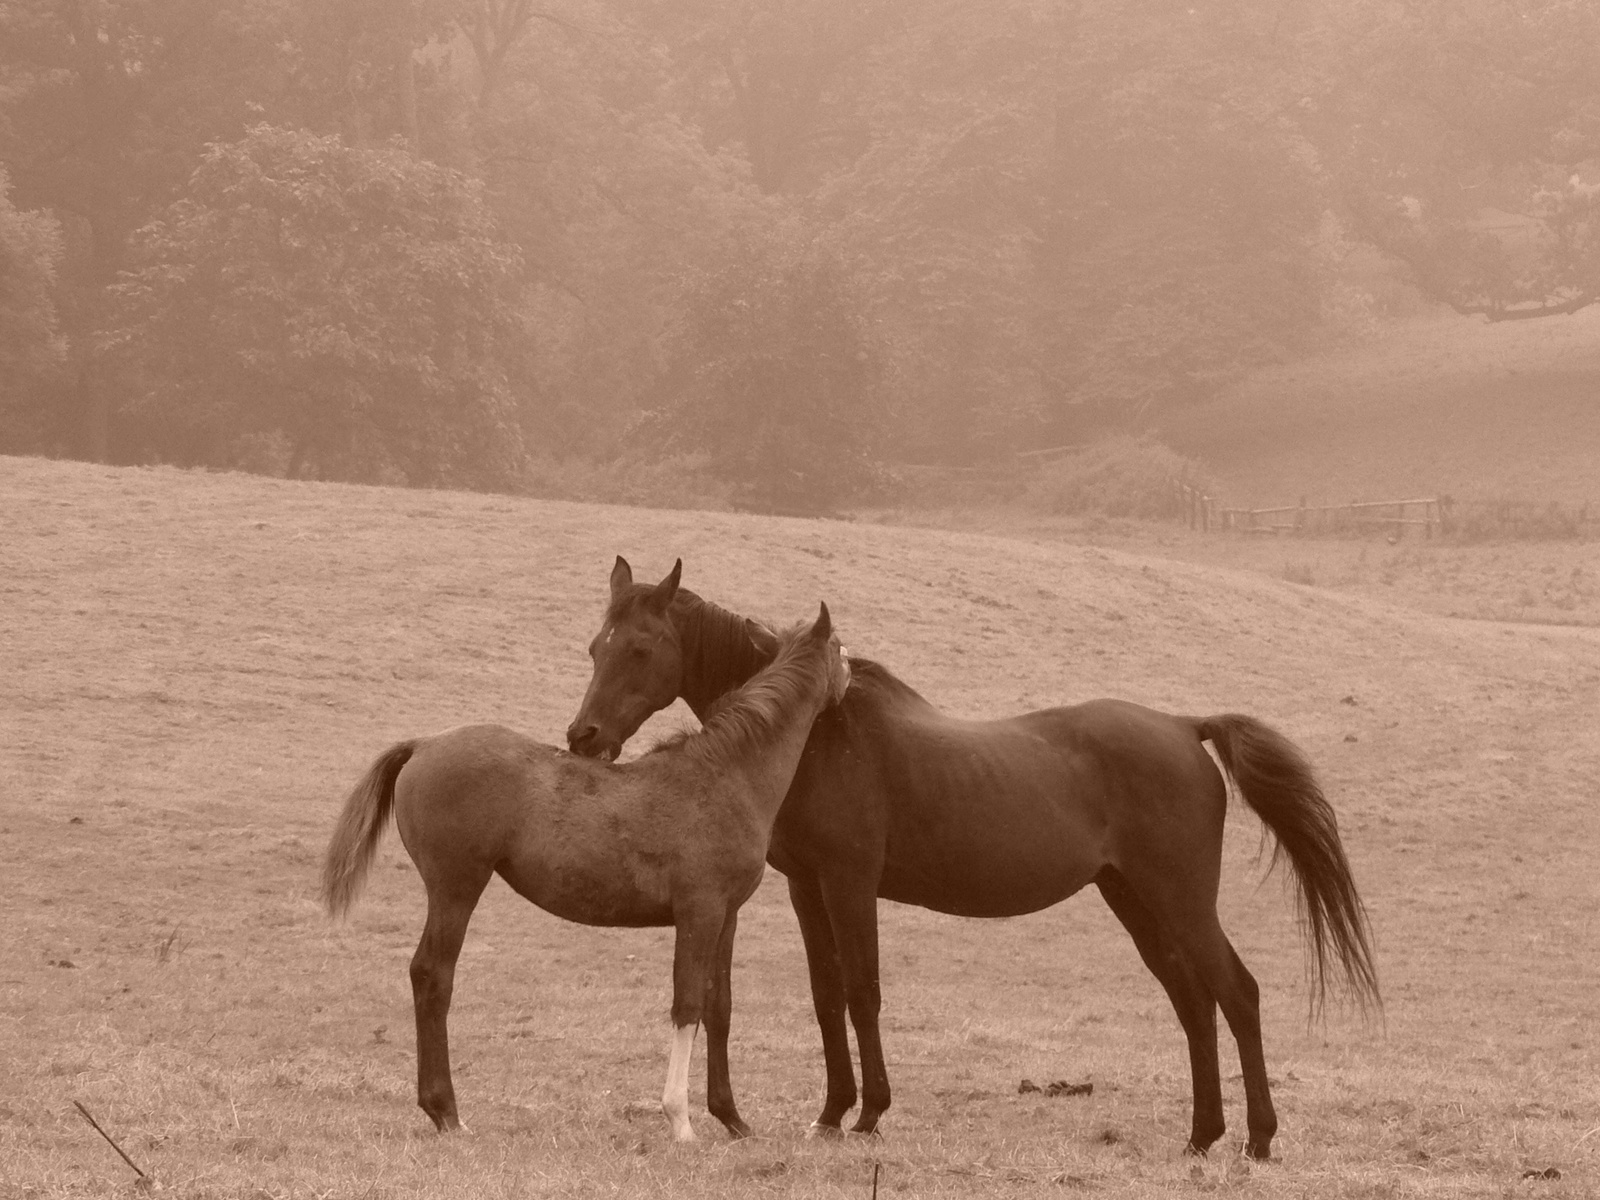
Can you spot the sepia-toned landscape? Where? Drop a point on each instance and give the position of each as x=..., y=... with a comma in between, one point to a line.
x=1222, y=356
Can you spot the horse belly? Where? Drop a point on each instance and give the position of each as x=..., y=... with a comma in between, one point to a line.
x=978, y=879
x=986, y=853
x=586, y=896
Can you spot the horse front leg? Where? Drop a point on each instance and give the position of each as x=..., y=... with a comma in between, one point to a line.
x=853, y=915
x=719, y=1018
x=698, y=931
x=433, y=970
x=827, y=999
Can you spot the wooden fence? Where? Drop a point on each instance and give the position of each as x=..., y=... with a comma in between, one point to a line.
x=1430, y=516
x=1426, y=516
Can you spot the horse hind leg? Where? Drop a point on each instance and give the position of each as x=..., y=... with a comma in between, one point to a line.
x=1243, y=1011
x=1193, y=1003
x=1192, y=926
x=433, y=969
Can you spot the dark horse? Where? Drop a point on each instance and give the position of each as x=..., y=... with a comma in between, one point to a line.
x=998, y=818
x=677, y=837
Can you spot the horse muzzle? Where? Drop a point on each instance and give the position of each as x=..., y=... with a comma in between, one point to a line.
x=587, y=741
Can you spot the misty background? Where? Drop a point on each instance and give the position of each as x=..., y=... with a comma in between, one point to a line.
x=767, y=251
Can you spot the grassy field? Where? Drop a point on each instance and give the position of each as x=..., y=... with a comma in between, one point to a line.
x=1440, y=404
x=1546, y=582
x=196, y=668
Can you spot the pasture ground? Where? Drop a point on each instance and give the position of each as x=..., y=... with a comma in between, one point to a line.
x=1553, y=582
x=1441, y=403
x=196, y=668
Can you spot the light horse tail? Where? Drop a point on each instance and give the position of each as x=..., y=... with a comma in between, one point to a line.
x=1277, y=783
x=355, y=837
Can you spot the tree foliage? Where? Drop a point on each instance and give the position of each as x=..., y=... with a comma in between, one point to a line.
x=349, y=301
x=32, y=350
x=429, y=232
x=1464, y=139
x=777, y=376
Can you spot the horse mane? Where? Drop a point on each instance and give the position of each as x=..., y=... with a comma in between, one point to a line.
x=726, y=649
x=727, y=654
x=750, y=716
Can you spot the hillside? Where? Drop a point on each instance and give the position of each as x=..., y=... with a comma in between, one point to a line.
x=1440, y=404
x=197, y=667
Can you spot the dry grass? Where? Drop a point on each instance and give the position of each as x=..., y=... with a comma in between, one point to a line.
x=1520, y=582
x=1438, y=404
x=198, y=667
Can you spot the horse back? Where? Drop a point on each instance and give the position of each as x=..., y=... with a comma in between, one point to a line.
x=992, y=818
x=592, y=842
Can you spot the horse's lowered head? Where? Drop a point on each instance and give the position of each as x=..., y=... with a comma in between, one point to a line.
x=638, y=664
x=640, y=659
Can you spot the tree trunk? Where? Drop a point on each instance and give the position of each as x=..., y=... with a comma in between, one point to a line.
x=406, y=73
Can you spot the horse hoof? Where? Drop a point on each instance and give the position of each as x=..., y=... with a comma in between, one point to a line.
x=1258, y=1152
x=1194, y=1151
x=825, y=1132
x=737, y=1129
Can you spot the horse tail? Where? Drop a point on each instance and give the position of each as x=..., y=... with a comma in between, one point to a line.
x=1278, y=784
x=355, y=837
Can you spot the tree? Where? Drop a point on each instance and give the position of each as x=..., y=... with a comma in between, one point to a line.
x=1073, y=216
x=614, y=200
x=31, y=349
x=774, y=78
x=348, y=302
x=1465, y=138
x=777, y=376
x=104, y=105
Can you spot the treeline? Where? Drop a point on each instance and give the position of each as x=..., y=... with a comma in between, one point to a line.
x=434, y=241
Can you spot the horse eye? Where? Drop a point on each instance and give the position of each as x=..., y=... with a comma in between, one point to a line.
x=639, y=653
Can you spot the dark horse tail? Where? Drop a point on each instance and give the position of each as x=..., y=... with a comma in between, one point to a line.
x=355, y=837
x=1277, y=782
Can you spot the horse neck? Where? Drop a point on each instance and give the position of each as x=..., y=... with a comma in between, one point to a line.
x=760, y=737
x=774, y=769
x=717, y=652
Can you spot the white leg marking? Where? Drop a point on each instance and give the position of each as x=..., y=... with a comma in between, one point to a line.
x=1228, y=785
x=675, y=1097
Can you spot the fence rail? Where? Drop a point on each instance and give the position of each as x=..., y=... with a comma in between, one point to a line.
x=1203, y=511
x=1432, y=515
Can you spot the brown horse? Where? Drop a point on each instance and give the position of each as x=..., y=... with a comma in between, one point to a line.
x=677, y=837
x=998, y=818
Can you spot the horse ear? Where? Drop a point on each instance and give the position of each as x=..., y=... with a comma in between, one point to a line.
x=666, y=589
x=822, y=630
x=621, y=577
x=762, y=638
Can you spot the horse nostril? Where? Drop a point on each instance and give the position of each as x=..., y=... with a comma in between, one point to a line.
x=577, y=734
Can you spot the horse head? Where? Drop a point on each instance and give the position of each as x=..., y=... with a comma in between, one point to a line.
x=638, y=664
